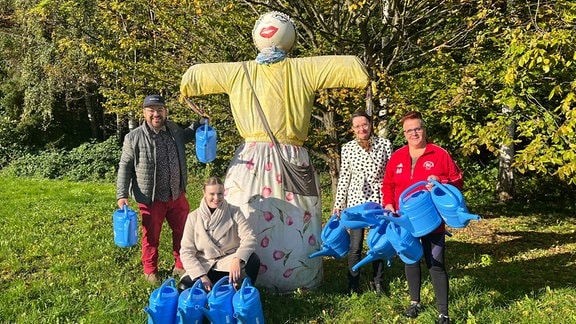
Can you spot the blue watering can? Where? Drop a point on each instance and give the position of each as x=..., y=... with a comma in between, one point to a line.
x=220, y=306
x=417, y=211
x=408, y=248
x=125, y=223
x=378, y=246
x=335, y=239
x=189, y=298
x=361, y=216
x=450, y=204
x=163, y=303
x=247, y=304
x=205, y=143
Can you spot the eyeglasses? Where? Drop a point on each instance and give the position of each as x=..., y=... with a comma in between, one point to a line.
x=155, y=109
x=415, y=130
x=362, y=126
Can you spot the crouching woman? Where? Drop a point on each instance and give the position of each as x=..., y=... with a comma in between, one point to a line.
x=217, y=242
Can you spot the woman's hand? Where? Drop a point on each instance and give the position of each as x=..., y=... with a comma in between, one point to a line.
x=206, y=283
x=235, y=268
x=390, y=208
x=429, y=185
x=337, y=212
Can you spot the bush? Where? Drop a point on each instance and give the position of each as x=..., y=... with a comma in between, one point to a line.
x=88, y=162
x=94, y=161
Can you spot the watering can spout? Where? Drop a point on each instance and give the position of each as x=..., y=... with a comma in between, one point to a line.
x=464, y=216
x=324, y=252
x=182, y=313
x=400, y=221
x=151, y=313
x=210, y=314
x=367, y=259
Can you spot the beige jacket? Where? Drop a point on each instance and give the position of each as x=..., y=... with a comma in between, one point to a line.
x=211, y=241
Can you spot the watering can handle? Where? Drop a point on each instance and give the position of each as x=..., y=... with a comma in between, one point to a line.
x=409, y=189
x=331, y=219
x=218, y=284
x=168, y=281
x=197, y=284
x=245, y=283
x=445, y=189
x=125, y=207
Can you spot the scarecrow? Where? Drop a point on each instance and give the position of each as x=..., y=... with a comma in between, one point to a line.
x=288, y=224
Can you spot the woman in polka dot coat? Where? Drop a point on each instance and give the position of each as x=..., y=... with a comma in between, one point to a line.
x=361, y=173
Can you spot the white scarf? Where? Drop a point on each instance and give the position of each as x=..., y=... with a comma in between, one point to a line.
x=216, y=224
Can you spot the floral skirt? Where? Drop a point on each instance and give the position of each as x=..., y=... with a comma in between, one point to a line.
x=287, y=225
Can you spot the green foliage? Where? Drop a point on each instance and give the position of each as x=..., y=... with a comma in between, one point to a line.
x=89, y=161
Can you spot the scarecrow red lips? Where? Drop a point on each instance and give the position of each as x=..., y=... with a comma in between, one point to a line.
x=268, y=32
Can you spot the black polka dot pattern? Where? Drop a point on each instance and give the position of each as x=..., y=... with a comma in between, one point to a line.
x=361, y=173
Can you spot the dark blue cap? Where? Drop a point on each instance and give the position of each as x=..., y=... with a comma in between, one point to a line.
x=154, y=100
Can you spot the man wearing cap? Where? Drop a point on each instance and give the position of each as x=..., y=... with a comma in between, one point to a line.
x=153, y=171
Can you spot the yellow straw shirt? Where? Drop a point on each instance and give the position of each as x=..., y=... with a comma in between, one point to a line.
x=285, y=89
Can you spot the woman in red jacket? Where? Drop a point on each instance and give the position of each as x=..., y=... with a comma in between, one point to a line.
x=414, y=162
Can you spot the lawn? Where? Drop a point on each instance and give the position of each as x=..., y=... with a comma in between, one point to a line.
x=59, y=264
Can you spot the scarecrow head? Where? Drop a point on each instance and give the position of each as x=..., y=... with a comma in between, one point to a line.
x=274, y=30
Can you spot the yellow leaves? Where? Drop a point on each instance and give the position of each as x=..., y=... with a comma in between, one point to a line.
x=354, y=6
x=557, y=90
x=568, y=101
x=510, y=76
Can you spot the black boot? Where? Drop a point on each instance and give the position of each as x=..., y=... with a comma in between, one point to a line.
x=353, y=284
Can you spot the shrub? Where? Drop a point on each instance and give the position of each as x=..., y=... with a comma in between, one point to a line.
x=88, y=162
x=94, y=161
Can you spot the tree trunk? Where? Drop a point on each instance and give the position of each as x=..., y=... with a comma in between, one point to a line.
x=132, y=122
x=505, y=185
x=91, y=115
x=119, y=127
x=331, y=156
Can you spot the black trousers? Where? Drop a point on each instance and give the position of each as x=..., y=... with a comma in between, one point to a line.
x=434, y=246
x=250, y=270
x=355, y=255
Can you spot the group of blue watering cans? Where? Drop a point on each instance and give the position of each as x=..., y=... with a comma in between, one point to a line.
x=125, y=225
x=205, y=143
x=223, y=304
x=420, y=212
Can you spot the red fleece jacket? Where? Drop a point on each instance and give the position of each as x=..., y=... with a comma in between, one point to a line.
x=400, y=175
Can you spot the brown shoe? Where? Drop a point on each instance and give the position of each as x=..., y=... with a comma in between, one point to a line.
x=178, y=272
x=152, y=278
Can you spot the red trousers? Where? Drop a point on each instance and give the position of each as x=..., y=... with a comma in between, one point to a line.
x=175, y=212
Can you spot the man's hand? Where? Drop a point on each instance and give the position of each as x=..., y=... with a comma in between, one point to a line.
x=122, y=202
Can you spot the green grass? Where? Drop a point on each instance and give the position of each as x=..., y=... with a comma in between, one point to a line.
x=59, y=264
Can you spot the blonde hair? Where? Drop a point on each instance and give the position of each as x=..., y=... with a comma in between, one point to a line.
x=211, y=181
